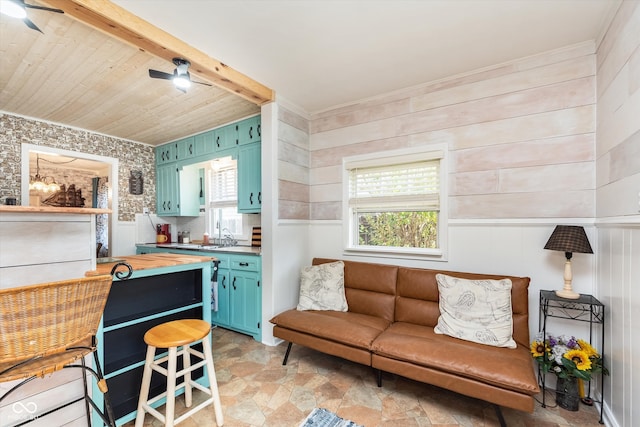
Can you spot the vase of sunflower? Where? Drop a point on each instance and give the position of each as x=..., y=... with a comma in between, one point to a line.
x=572, y=360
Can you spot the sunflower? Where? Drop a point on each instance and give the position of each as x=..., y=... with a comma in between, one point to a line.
x=587, y=348
x=580, y=358
x=538, y=348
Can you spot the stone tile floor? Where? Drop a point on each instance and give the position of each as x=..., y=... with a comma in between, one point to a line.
x=256, y=390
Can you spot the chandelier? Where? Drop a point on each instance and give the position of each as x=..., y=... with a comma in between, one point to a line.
x=45, y=184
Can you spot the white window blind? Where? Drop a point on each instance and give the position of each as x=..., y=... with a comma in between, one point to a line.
x=223, y=191
x=400, y=186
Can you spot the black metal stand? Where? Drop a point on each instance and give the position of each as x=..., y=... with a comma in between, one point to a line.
x=584, y=309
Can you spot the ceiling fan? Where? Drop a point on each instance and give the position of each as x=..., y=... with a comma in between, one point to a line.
x=180, y=77
x=18, y=9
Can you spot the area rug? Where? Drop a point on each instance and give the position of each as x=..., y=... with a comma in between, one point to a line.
x=321, y=417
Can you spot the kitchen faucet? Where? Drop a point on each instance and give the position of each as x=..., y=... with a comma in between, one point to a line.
x=228, y=238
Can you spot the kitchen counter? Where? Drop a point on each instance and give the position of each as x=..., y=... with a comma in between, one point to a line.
x=52, y=209
x=149, y=261
x=241, y=250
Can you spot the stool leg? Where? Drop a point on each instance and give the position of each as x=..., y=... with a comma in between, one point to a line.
x=186, y=357
x=170, y=406
x=213, y=383
x=146, y=383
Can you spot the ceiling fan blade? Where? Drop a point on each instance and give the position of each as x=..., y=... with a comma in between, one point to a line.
x=200, y=83
x=31, y=25
x=48, y=9
x=155, y=74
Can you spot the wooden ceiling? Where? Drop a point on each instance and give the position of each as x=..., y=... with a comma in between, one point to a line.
x=77, y=75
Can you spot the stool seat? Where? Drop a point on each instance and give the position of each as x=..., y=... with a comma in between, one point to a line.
x=178, y=336
x=177, y=333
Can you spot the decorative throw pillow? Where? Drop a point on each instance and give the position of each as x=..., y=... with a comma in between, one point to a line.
x=476, y=310
x=322, y=287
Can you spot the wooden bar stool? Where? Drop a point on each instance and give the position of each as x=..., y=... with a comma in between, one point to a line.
x=178, y=336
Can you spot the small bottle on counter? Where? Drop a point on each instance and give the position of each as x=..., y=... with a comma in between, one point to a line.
x=205, y=239
x=186, y=237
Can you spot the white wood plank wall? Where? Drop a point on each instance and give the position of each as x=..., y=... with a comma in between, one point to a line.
x=521, y=137
x=293, y=165
x=618, y=210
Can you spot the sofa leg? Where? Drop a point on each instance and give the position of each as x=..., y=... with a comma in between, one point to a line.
x=286, y=354
x=501, y=420
x=378, y=376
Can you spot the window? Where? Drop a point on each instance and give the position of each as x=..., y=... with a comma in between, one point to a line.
x=394, y=202
x=223, y=198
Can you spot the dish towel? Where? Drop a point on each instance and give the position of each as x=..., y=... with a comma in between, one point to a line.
x=214, y=295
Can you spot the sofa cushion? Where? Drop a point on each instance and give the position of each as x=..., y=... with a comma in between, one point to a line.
x=322, y=287
x=476, y=310
x=357, y=330
x=420, y=345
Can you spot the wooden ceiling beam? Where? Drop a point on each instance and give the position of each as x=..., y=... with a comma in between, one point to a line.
x=123, y=25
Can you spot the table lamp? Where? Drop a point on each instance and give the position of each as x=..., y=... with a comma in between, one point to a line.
x=568, y=239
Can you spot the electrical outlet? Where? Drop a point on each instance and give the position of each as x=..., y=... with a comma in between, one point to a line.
x=145, y=211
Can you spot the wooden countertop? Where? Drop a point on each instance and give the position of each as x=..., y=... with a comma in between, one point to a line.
x=149, y=261
x=51, y=209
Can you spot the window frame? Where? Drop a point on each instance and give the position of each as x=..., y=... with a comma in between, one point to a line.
x=428, y=152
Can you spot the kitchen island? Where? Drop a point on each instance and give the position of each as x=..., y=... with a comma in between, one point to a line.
x=162, y=287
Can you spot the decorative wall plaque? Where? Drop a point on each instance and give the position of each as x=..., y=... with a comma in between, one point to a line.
x=136, y=182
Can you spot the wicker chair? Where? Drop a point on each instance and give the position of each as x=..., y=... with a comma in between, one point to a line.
x=50, y=326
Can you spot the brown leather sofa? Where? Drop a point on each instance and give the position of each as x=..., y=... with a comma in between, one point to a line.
x=390, y=327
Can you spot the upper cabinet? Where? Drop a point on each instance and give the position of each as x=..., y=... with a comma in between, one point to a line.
x=249, y=130
x=175, y=190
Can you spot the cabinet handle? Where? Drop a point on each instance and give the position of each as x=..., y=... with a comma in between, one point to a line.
x=244, y=264
x=190, y=148
x=259, y=130
x=169, y=204
x=164, y=206
x=176, y=151
x=251, y=198
x=224, y=279
x=234, y=284
x=218, y=141
x=162, y=156
x=260, y=197
x=251, y=132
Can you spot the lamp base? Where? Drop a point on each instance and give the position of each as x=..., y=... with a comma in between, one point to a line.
x=567, y=294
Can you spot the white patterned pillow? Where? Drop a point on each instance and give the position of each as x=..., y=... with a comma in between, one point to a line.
x=322, y=287
x=476, y=310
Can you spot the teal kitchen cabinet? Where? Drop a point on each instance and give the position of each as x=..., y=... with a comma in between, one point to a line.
x=167, y=189
x=185, y=148
x=220, y=312
x=249, y=130
x=245, y=295
x=165, y=154
x=249, y=178
x=177, y=190
x=204, y=143
x=225, y=137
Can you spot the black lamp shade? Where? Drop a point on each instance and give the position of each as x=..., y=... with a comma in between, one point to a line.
x=569, y=238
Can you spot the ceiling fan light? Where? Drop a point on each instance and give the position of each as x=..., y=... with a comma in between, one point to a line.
x=13, y=9
x=182, y=81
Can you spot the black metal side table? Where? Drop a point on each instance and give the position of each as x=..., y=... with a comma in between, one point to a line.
x=584, y=309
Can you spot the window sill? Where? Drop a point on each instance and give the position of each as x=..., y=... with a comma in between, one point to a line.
x=397, y=253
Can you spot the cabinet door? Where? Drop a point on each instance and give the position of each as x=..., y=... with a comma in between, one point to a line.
x=188, y=193
x=204, y=143
x=249, y=130
x=249, y=179
x=185, y=148
x=245, y=299
x=165, y=154
x=225, y=137
x=221, y=316
x=167, y=190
